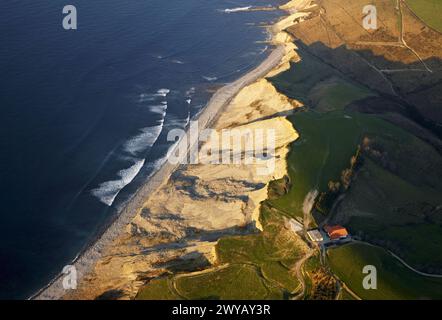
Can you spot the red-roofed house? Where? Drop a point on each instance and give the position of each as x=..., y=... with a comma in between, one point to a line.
x=336, y=232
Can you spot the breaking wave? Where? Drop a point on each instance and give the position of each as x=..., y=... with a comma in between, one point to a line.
x=159, y=109
x=239, y=9
x=163, y=92
x=190, y=92
x=108, y=191
x=210, y=78
x=263, y=50
x=147, y=137
x=143, y=97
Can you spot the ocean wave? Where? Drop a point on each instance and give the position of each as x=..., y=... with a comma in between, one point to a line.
x=145, y=97
x=108, y=191
x=163, y=92
x=238, y=9
x=148, y=135
x=159, y=109
x=190, y=92
x=263, y=50
x=145, y=139
x=210, y=78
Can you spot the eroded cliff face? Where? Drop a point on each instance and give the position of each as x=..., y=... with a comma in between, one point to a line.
x=181, y=223
x=178, y=227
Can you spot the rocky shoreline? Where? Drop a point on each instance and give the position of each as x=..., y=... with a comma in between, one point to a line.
x=153, y=230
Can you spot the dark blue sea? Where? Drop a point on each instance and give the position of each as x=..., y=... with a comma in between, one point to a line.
x=84, y=113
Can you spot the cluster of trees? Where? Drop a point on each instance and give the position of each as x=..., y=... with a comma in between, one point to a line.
x=278, y=188
x=335, y=188
x=324, y=286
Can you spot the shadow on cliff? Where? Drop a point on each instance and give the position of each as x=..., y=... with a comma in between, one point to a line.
x=192, y=261
x=113, y=294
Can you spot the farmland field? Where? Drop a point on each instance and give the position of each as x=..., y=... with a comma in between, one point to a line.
x=228, y=283
x=430, y=11
x=395, y=281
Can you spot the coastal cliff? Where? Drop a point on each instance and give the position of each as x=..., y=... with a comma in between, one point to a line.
x=179, y=225
x=209, y=229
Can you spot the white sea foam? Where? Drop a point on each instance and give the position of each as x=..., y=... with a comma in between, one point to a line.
x=108, y=191
x=190, y=92
x=145, y=139
x=177, y=61
x=148, y=135
x=189, y=101
x=143, y=97
x=163, y=92
x=159, y=109
x=210, y=78
x=263, y=50
x=239, y=9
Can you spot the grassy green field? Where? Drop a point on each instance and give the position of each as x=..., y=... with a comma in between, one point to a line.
x=220, y=284
x=158, y=289
x=429, y=11
x=392, y=202
x=258, y=267
x=345, y=295
x=318, y=85
x=384, y=209
x=329, y=137
x=274, y=251
x=327, y=143
x=229, y=283
x=395, y=203
x=394, y=281
x=336, y=95
x=280, y=275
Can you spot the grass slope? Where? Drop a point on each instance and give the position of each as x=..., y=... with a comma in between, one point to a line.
x=232, y=283
x=256, y=266
x=430, y=11
x=395, y=281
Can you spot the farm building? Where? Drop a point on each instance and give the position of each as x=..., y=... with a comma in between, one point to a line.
x=315, y=235
x=336, y=232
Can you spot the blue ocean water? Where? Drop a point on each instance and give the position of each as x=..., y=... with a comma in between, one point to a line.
x=84, y=113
